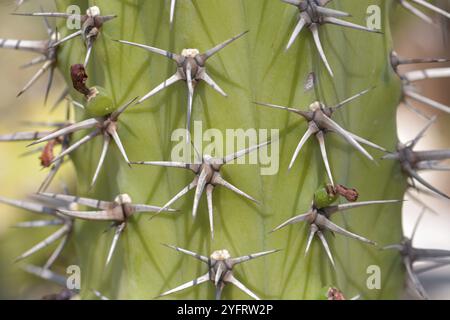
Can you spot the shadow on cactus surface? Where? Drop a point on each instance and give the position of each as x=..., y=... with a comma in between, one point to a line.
x=255, y=67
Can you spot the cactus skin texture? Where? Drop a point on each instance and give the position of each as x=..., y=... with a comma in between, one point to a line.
x=254, y=68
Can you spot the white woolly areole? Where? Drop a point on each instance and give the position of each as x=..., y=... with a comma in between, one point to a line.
x=93, y=11
x=123, y=198
x=221, y=255
x=314, y=106
x=190, y=53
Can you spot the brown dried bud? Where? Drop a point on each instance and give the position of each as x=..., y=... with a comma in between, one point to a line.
x=47, y=155
x=349, y=194
x=335, y=294
x=79, y=78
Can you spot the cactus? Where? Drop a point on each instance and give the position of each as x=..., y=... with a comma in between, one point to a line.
x=341, y=77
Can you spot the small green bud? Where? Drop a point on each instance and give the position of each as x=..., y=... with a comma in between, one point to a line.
x=99, y=102
x=324, y=196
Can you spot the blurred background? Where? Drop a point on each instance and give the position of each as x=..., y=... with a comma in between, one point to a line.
x=21, y=175
x=414, y=38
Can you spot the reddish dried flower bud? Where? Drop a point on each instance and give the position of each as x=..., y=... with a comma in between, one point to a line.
x=348, y=193
x=335, y=294
x=79, y=78
x=47, y=155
